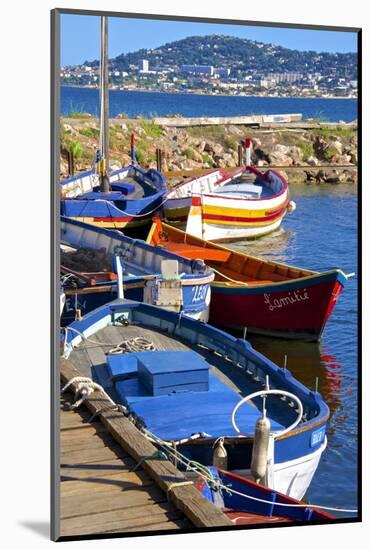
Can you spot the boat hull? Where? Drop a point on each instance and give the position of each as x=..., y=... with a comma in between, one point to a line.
x=293, y=477
x=195, y=301
x=213, y=213
x=296, y=306
x=121, y=212
x=297, y=309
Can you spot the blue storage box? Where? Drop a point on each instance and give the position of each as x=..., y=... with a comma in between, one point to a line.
x=164, y=372
x=122, y=365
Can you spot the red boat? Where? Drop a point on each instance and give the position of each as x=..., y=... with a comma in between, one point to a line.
x=258, y=295
x=247, y=503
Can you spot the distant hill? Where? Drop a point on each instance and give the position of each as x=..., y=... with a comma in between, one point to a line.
x=238, y=54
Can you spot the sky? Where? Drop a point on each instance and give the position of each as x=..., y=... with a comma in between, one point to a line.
x=80, y=36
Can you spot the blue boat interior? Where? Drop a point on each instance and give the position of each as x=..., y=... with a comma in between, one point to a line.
x=132, y=190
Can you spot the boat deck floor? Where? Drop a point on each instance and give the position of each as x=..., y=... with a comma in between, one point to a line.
x=90, y=359
x=141, y=189
x=99, y=492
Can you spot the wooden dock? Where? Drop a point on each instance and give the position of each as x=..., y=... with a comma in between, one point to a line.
x=103, y=490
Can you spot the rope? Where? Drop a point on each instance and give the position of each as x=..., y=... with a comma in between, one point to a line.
x=133, y=345
x=83, y=337
x=229, y=278
x=157, y=455
x=84, y=387
x=178, y=484
x=114, y=407
x=129, y=213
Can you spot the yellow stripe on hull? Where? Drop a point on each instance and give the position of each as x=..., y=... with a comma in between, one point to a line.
x=112, y=225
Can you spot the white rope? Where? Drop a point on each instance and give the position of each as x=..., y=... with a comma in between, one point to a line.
x=129, y=213
x=72, y=329
x=134, y=344
x=85, y=386
x=229, y=278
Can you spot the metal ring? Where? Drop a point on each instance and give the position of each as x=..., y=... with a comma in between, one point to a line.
x=270, y=392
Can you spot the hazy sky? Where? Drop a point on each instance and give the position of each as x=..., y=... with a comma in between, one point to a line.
x=80, y=36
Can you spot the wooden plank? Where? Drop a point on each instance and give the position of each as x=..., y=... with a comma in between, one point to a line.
x=186, y=497
x=116, y=482
x=102, y=501
x=182, y=524
x=85, y=456
x=135, y=518
x=68, y=442
x=96, y=469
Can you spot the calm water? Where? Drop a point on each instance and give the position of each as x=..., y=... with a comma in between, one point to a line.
x=321, y=234
x=190, y=105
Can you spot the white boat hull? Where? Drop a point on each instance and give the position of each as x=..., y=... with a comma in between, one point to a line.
x=294, y=476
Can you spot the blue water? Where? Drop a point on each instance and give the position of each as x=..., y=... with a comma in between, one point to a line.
x=149, y=104
x=321, y=234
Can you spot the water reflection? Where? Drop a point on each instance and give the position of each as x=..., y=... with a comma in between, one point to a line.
x=307, y=362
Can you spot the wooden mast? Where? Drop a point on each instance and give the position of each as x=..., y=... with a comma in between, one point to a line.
x=104, y=107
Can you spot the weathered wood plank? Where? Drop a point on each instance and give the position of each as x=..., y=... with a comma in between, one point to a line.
x=95, y=469
x=116, y=482
x=186, y=497
x=177, y=524
x=104, y=501
x=93, y=442
x=94, y=454
x=134, y=518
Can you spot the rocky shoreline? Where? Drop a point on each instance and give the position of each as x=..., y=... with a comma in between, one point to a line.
x=319, y=155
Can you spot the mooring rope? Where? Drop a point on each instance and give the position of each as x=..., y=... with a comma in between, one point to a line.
x=229, y=278
x=85, y=386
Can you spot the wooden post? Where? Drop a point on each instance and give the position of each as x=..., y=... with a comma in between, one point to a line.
x=240, y=153
x=71, y=163
x=104, y=107
x=157, y=158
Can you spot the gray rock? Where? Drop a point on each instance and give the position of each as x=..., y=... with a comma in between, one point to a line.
x=313, y=161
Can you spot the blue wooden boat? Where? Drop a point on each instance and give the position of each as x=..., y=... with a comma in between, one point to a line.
x=197, y=390
x=135, y=195
x=247, y=503
x=146, y=276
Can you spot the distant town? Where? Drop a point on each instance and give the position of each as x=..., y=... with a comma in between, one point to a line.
x=319, y=75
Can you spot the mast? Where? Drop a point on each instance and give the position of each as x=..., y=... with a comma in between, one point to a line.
x=104, y=107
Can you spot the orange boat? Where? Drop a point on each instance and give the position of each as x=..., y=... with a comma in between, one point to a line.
x=258, y=295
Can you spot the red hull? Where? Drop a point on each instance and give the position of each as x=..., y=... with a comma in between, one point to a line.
x=289, y=313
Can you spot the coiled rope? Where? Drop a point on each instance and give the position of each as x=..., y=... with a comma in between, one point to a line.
x=126, y=346
x=134, y=344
